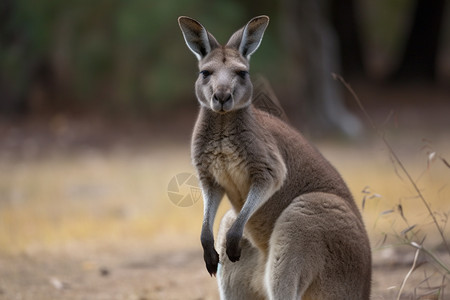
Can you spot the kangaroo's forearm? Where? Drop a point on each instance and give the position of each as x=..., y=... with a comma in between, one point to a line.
x=212, y=196
x=257, y=196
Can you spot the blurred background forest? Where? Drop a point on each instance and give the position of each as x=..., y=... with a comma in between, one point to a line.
x=127, y=57
x=97, y=106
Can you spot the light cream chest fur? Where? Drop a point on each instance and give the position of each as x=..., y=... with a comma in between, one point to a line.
x=229, y=168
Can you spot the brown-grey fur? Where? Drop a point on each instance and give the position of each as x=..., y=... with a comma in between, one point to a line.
x=296, y=228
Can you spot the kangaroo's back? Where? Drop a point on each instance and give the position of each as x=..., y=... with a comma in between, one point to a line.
x=317, y=174
x=295, y=230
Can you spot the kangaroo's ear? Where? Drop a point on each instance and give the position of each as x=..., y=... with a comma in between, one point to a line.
x=247, y=39
x=199, y=41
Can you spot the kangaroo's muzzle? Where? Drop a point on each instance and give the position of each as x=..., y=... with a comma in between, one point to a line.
x=222, y=101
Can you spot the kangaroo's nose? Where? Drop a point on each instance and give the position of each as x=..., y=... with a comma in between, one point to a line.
x=222, y=96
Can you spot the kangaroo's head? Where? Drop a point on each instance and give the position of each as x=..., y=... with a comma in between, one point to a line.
x=223, y=83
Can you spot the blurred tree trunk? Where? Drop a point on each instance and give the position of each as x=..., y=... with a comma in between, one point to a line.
x=419, y=57
x=22, y=71
x=344, y=21
x=313, y=57
x=12, y=100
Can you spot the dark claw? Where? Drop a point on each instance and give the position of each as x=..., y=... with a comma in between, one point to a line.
x=210, y=254
x=211, y=260
x=233, y=249
x=234, y=258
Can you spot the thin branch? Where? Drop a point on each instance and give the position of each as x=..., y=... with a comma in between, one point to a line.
x=395, y=157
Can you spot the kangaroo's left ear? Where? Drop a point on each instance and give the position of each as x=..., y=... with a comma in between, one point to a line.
x=247, y=39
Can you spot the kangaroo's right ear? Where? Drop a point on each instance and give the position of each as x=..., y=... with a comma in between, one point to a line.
x=199, y=41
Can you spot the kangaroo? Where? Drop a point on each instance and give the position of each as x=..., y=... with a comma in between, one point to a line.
x=294, y=231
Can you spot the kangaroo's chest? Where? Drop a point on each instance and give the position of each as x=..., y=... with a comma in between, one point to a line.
x=228, y=164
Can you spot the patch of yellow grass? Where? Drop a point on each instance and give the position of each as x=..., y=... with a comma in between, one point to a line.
x=52, y=200
x=121, y=194
x=372, y=175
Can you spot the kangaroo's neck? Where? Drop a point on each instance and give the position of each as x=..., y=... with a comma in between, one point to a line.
x=227, y=123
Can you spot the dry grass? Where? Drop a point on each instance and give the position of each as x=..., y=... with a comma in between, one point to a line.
x=91, y=195
x=372, y=176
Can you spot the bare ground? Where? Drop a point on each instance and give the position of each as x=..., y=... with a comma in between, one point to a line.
x=142, y=272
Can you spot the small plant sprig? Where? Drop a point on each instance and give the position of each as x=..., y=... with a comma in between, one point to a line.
x=403, y=236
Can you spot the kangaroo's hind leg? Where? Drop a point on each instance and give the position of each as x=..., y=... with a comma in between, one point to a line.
x=294, y=260
x=319, y=250
x=242, y=279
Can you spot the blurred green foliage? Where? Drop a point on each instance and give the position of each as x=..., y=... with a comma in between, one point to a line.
x=113, y=54
x=386, y=25
x=119, y=55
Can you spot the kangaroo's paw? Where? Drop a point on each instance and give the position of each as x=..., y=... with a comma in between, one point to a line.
x=233, y=247
x=211, y=258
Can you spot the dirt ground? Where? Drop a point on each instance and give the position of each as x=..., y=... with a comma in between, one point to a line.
x=144, y=274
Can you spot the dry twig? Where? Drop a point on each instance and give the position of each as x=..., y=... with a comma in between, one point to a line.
x=396, y=158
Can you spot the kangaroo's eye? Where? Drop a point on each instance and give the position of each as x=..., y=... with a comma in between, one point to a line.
x=242, y=74
x=205, y=73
